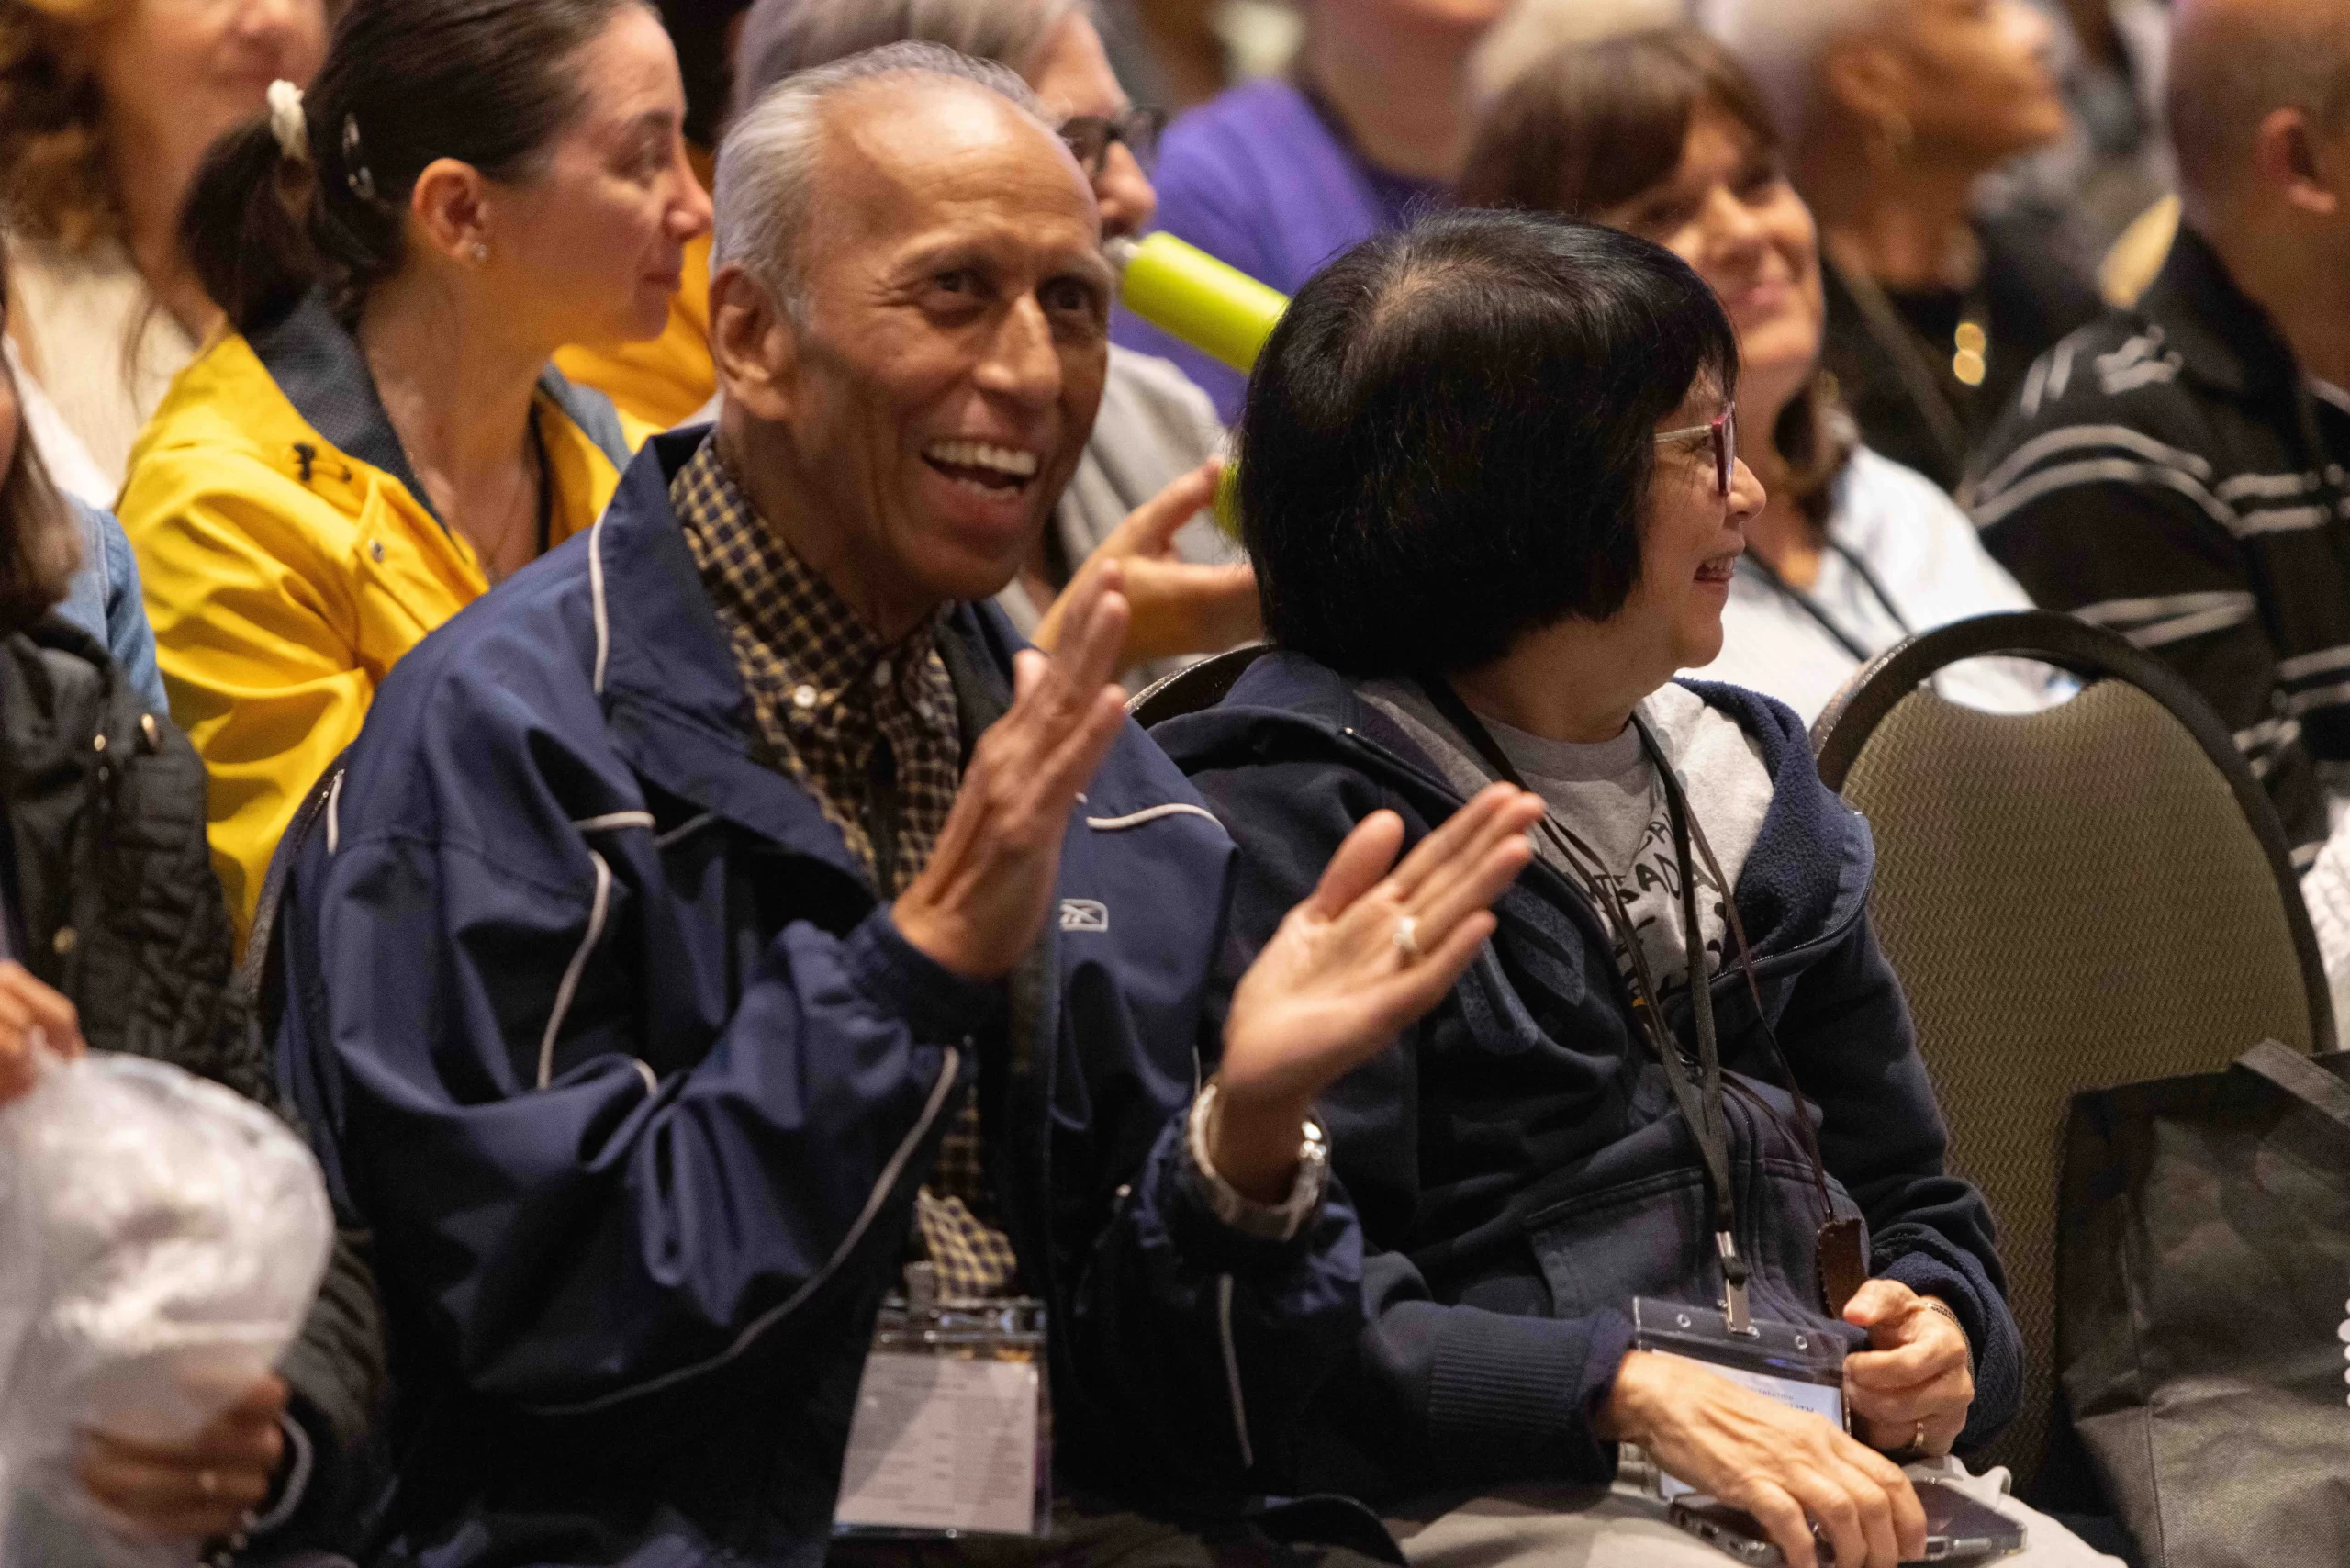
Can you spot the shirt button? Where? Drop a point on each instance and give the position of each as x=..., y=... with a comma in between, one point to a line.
x=881, y=673
x=804, y=698
x=375, y=549
x=64, y=941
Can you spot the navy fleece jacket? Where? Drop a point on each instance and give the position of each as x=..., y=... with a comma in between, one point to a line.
x=1519, y=1167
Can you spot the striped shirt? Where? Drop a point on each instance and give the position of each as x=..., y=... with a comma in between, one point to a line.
x=2171, y=473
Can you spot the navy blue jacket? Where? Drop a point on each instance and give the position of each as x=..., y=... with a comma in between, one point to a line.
x=610, y=1040
x=1516, y=1159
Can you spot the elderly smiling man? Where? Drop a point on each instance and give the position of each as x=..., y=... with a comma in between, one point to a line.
x=710, y=921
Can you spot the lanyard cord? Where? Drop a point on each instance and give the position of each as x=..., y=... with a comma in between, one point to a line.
x=1804, y=1132
x=1818, y=612
x=1700, y=1103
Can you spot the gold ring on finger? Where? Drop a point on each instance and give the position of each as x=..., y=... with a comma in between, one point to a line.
x=1407, y=937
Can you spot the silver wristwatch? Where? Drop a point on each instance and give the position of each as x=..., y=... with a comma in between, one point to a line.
x=1270, y=1222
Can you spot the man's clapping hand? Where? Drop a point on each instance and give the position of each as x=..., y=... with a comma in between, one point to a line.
x=1333, y=986
x=978, y=904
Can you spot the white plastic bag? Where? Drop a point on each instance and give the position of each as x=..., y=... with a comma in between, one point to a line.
x=161, y=1240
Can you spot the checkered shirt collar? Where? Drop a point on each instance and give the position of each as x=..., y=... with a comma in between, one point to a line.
x=787, y=604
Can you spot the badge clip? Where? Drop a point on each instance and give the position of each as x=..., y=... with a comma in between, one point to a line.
x=1736, y=1316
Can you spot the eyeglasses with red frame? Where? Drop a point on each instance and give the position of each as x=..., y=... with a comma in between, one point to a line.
x=1723, y=428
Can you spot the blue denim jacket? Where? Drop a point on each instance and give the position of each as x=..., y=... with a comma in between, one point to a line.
x=104, y=600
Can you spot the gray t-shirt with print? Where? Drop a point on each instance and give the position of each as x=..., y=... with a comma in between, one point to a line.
x=1606, y=799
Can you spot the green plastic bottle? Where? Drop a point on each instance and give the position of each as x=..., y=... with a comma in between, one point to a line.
x=1215, y=307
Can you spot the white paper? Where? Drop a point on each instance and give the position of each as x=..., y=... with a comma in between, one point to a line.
x=940, y=1442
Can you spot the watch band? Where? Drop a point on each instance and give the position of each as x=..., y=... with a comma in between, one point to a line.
x=1270, y=1222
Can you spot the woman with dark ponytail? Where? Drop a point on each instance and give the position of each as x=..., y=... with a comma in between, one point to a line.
x=467, y=186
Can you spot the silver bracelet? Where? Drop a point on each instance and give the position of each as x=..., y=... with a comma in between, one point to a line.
x=1270, y=1222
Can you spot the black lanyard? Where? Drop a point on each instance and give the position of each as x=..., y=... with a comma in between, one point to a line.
x=1860, y=651
x=1700, y=1103
x=1841, y=1270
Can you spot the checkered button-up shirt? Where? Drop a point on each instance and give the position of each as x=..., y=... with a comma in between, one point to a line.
x=871, y=732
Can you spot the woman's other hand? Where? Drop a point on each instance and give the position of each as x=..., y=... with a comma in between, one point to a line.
x=1786, y=1467
x=1336, y=982
x=206, y=1487
x=1179, y=607
x=1913, y=1386
x=32, y=1017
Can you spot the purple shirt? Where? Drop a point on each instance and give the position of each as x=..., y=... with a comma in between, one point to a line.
x=1260, y=178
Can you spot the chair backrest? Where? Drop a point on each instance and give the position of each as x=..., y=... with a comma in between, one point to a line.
x=1193, y=687
x=2099, y=893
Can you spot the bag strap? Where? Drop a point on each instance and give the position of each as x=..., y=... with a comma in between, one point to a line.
x=2296, y=1075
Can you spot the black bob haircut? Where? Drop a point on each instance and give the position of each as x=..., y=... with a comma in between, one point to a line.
x=1449, y=439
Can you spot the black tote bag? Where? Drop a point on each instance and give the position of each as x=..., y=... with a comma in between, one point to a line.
x=2203, y=1308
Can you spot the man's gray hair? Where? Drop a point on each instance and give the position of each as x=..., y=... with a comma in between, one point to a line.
x=1783, y=42
x=766, y=166
x=783, y=38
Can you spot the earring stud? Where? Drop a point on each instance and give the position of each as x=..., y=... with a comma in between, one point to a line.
x=481, y=251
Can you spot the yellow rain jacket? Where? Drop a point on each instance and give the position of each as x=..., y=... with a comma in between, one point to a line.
x=290, y=559
x=669, y=379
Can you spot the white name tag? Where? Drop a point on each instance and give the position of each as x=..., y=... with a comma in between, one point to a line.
x=943, y=1443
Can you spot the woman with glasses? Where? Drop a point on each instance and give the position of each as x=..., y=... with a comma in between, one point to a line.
x=1136, y=496
x=1660, y=133
x=1490, y=480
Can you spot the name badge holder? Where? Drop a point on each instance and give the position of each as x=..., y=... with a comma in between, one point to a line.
x=1797, y=1364
x=952, y=1430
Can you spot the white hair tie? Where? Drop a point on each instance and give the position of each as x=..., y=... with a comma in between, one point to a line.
x=287, y=121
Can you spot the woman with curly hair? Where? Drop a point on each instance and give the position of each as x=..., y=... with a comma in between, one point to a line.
x=106, y=109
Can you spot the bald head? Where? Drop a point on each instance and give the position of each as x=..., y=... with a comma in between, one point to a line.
x=897, y=143
x=2234, y=63
x=767, y=169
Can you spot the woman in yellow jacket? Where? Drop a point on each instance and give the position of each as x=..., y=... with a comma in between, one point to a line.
x=381, y=438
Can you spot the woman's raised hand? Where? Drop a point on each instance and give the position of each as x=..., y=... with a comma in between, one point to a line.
x=1376, y=945
x=1786, y=1467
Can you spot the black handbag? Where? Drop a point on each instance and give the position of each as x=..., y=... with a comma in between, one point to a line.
x=2203, y=1308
